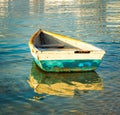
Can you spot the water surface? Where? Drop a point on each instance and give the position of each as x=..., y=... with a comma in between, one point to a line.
x=93, y=21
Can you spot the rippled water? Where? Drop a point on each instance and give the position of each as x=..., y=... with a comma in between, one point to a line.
x=24, y=89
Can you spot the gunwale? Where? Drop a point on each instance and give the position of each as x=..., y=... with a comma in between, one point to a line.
x=75, y=44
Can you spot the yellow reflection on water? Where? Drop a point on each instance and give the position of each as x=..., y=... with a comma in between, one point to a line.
x=3, y=7
x=60, y=6
x=63, y=84
x=113, y=10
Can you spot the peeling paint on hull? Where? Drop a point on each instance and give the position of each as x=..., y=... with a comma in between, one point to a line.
x=68, y=65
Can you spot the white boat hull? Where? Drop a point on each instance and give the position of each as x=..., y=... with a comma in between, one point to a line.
x=84, y=57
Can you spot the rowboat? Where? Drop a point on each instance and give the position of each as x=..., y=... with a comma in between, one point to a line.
x=58, y=53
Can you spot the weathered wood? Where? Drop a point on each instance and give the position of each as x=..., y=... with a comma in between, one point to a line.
x=57, y=53
x=51, y=46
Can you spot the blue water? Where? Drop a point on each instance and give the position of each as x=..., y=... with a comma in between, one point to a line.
x=93, y=21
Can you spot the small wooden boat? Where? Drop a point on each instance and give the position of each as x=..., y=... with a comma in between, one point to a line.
x=57, y=53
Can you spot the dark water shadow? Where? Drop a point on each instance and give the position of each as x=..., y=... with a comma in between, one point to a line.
x=63, y=84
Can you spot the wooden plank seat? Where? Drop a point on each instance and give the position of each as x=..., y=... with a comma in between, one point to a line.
x=51, y=46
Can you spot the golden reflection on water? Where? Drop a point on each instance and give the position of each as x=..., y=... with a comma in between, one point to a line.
x=86, y=15
x=113, y=10
x=3, y=7
x=63, y=84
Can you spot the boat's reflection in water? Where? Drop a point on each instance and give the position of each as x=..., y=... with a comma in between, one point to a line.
x=63, y=84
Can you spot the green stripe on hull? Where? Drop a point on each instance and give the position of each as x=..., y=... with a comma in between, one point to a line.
x=68, y=65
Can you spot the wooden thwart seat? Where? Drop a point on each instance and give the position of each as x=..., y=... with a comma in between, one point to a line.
x=51, y=46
